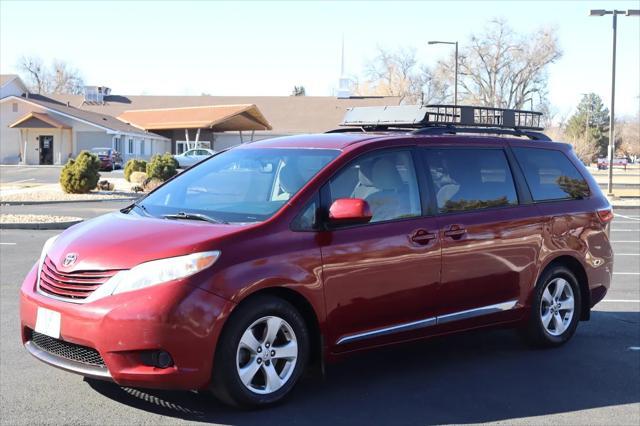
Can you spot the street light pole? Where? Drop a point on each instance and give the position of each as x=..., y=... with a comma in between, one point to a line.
x=611, y=148
x=455, y=88
x=613, y=104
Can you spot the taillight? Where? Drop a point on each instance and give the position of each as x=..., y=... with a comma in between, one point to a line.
x=605, y=215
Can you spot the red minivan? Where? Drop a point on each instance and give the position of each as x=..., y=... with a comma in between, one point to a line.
x=237, y=274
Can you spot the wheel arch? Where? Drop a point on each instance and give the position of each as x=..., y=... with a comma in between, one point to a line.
x=304, y=306
x=580, y=273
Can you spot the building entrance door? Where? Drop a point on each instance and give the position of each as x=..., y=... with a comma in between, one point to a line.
x=46, y=150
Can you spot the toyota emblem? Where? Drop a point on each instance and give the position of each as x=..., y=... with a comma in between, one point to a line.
x=70, y=259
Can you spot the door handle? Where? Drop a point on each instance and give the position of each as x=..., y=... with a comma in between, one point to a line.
x=455, y=232
x=422, y=237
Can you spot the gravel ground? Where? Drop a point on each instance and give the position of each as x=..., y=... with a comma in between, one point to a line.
x=35, y=218
x=53, y=192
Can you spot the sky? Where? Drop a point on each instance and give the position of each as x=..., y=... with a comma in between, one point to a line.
x=265, y=48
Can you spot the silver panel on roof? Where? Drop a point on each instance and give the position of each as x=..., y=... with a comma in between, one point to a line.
x=385, y=116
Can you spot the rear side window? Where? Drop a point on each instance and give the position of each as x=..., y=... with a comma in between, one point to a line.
x=471, y=179
x=550, y=175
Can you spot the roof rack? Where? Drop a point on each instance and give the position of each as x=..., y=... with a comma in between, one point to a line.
x=445, y=119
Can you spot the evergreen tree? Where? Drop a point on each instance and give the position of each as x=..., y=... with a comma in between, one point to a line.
x=590, y=123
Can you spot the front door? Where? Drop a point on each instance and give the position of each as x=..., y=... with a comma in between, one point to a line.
x=46, y=150
x=381, y=278
x=489, y=241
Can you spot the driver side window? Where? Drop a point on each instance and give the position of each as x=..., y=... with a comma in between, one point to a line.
x=386, y=180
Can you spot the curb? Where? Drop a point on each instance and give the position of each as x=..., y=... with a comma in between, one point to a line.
x=625, y=207
x=40, y=226
x=31, y=203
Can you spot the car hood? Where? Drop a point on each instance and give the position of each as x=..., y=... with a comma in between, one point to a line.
x=122, y=241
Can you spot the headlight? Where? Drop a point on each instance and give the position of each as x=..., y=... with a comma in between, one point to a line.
x=156, y=272
x=47, y=245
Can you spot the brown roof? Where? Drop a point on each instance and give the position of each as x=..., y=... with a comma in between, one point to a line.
x=217, y=117
x=103, y=120
x=286, y=114
x=38, y=120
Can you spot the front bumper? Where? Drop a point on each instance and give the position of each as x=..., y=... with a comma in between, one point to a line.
x=174, y=317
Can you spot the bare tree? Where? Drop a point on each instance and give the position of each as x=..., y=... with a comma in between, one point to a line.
x=60, y=78
x=397, y=73
x=66, y=79
x=500, y=68
x=36, y=74
x=628, y=138
x=585, y=148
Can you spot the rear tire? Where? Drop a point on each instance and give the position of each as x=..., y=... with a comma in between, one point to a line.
x=555, y=310
x=261, y=354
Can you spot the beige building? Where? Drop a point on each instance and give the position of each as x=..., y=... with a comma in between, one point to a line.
x=38, y=131
x=48, y=130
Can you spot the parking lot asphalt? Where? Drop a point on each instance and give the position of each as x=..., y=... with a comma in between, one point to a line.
x=480, y=376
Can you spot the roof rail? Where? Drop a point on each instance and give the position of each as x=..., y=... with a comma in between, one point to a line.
x=453, y=130
x=473, y=119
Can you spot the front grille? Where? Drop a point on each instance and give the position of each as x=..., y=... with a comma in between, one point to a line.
x=67, y=350
x=76, y=285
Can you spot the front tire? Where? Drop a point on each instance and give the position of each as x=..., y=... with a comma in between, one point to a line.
x=261, y=353
x=555, y=310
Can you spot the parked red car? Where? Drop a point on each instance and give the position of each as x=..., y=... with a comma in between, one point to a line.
x=110, y=159
x=240, y=272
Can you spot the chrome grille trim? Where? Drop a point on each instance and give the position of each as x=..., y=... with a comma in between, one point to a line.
x=79, y=283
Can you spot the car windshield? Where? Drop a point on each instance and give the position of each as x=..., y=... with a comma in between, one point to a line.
x=239, y=185
x=100, y=151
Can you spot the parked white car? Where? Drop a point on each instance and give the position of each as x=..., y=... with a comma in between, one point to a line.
x=192, y=157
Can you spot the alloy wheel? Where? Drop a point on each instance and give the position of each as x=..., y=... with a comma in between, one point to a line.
x=557, y=306
x=267, y=354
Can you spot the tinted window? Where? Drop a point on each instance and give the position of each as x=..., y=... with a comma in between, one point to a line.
x=386, y=180
x=240, y=185
x=471, y=179
x=550, y=175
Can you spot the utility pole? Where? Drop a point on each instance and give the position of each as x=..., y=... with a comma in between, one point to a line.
x=455, y=84
x=615, y=13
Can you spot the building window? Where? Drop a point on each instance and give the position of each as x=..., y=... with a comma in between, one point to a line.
x=130, y=150
x=117, y=144
x=14, y=107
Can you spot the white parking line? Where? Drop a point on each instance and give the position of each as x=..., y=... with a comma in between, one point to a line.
x=626, y=241
x=19, y=181
x=624, y=229
x=7, y=244
x=621, y=300
x=626, y=273
x=627, y=254
x=628, y=217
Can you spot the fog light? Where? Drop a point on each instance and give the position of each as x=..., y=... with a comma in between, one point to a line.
x=160, y=359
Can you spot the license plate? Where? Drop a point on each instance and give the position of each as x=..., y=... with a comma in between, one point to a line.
x=48, y=322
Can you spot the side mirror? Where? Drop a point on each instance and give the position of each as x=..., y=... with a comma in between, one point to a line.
x=349, y=211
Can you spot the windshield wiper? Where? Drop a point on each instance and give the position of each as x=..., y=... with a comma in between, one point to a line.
x=130, y=207
x=194, y=216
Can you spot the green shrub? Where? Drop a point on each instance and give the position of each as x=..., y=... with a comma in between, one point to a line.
x=162, y=167
x=138, y=177
x=134, y=165
x=81, y=175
